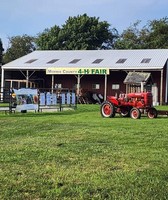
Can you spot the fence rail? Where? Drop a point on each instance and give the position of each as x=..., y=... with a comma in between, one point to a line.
x=6, y=100
x=56, y=99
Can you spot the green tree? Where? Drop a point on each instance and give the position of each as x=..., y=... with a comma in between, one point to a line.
x=19, y=46
x=130, y=38
x=152, y=36
x=81, y=32
x=49, y=39
x=158, y=34
x=1, y=51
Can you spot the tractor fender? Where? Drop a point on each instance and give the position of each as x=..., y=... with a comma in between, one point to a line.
x=113, y=100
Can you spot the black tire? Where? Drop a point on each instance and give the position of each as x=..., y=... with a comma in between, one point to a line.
x=135, y=113
x=107, y=109
x=152, y=113
x=125, y=111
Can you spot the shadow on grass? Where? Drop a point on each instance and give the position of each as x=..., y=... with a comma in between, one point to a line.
x=80, y=109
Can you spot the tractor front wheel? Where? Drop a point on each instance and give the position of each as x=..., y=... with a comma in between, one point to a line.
x=152, y=113
x=125, y=111
x=135, y=113
x=107, y=109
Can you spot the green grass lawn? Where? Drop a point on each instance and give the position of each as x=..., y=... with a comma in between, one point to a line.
x=80, y=155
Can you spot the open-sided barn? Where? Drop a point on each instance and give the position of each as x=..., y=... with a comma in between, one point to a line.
x=100, y=71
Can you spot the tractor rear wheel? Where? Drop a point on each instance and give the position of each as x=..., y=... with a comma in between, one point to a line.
x=135, y=113
x=107, y=109
x=152, y=113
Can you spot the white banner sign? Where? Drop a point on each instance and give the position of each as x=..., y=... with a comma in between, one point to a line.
x=26, y=99
x=93, y=71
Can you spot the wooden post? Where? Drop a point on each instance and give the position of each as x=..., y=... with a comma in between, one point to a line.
x=52, y=84
x=166, y=95
x=27, y=78
x=161, y=87
x=105, y=87
x=2, y=83
x=78, y=84
x=142, y=86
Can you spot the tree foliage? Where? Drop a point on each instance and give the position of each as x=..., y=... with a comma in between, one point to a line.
x=130, y=38
x=88, y=33
x=49, y=39
x=81, y=32
x=158, y=37
x=154, y=35
x=1, y=51
x=19, y=46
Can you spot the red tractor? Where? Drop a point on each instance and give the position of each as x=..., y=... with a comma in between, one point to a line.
x=129, y=105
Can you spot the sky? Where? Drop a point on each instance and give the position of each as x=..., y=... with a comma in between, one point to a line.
x=31, y=17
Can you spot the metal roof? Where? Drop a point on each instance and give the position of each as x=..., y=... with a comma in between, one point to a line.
x=137, y=77
x=146, y=59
